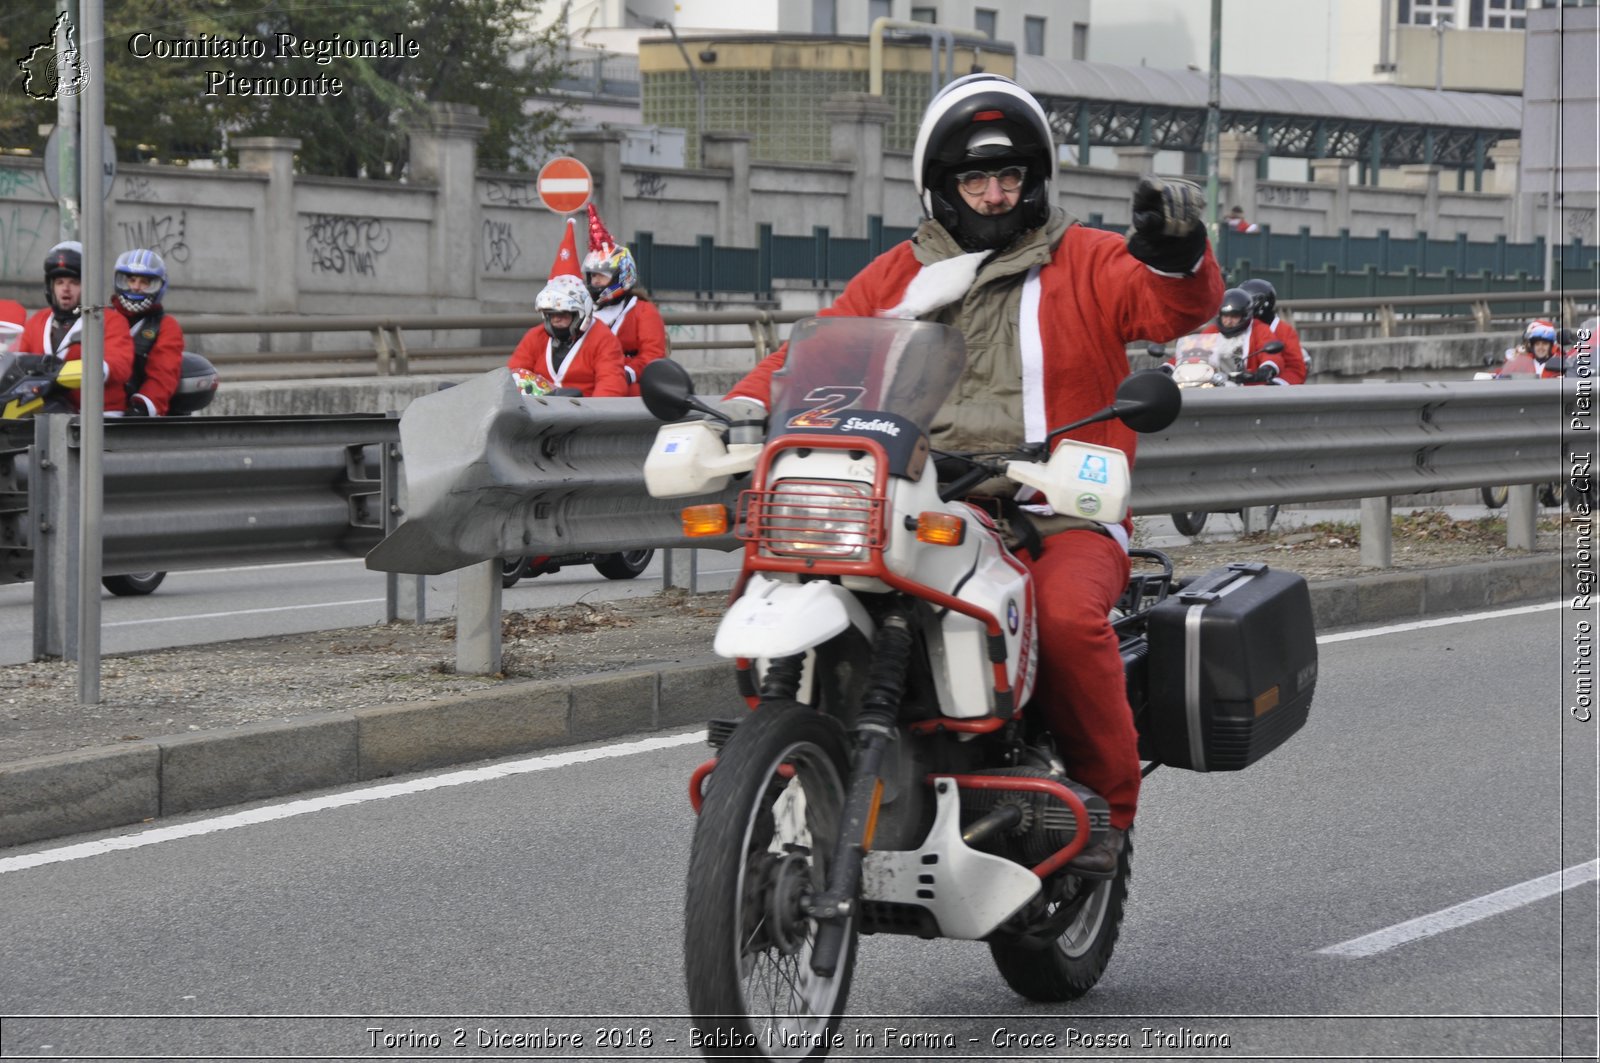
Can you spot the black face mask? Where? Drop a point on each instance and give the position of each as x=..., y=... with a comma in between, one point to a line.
x=559, y=335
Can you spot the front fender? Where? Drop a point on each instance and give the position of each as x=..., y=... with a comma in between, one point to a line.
x=773, y=618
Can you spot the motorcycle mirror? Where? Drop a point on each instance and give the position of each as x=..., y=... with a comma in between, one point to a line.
x=1275, y=347
x=1155, y=350
x=1148, y=402
x=668, y=391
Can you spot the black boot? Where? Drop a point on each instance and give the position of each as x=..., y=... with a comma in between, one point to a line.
x=1099, y=860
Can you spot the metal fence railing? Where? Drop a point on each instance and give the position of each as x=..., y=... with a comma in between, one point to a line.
x=394, y=349
x=491, y=474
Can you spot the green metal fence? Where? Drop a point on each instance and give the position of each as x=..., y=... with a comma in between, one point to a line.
x=1299, y=265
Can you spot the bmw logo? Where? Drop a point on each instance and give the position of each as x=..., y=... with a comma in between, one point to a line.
x=1013, y=616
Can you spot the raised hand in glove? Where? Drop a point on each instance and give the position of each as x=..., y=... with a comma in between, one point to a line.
x=1167, y=233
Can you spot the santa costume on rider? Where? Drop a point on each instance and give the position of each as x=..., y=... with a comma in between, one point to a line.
x=571, y=349
x=613, y=279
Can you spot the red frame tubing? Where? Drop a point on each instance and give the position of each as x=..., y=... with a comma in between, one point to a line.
x=1049, y=787
x=697, y=781
x=874, y=567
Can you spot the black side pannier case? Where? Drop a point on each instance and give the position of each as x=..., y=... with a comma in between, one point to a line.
x=1232, y=666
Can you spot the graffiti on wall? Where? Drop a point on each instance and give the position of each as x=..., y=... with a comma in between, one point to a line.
x=511, y=193
x=500, y=250
x=19, y=183
x=163, y=234
x=26, y=233
x=342, y=243
x=138, y=189
x=649, y=185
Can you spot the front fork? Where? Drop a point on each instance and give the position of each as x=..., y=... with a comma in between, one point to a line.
x=875, y=729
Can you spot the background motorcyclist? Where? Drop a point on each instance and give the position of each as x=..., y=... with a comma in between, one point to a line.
x=139, y=283
x=1235, y=320
x=1264, y=306
x=1047, y=307
x=1533, y=355
x=58, y=329
x=571, y=349
x=619, y=301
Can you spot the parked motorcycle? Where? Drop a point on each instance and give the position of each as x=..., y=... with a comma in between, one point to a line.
x=34, y=384
x=1210, y=360
x=891, y=778
x=625, y=565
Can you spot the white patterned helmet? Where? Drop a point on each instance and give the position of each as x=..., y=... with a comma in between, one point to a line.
x=566, y=293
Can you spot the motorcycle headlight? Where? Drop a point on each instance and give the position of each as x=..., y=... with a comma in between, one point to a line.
x=833, y=519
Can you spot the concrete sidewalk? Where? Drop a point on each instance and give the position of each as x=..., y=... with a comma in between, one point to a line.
x=109, y=787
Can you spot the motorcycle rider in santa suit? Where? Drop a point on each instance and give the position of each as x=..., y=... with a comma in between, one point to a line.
x=58, y=329
x=1236, y=320
x=1047, y=308
x=1264, y=305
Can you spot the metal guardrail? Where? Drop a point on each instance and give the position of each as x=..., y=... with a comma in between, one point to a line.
x=390, y=354
x=489, y=474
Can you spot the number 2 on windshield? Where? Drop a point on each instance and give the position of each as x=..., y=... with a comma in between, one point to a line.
x=829, y=400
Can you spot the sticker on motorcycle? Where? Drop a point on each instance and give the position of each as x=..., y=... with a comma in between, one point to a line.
x=1094, y=469
x=829, y=400
x=1088, y=504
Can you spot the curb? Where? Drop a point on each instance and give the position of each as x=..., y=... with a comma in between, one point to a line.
x=99, y=789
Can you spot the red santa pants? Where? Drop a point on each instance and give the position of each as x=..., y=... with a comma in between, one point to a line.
x=1077, y=578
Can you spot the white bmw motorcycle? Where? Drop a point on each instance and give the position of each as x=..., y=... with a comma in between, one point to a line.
x=888, y=778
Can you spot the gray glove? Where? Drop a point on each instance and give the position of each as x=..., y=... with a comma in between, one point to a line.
x=747, y=419
x=1167, y=233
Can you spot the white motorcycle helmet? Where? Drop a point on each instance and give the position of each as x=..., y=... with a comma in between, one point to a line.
x=983, y=121
x=566, y=294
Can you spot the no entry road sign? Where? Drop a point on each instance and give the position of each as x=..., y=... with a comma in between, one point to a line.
x=565, y=185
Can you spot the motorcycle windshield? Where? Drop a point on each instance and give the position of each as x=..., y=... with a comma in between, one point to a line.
x=886, y=366
x=1213, y=348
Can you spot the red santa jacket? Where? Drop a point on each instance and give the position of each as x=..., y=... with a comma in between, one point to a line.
x=118, y=353
x=638, y=328
x=1292, y=347
x=163, y=365
x=593, y=365
x=1078, y=314
x=1290, y=362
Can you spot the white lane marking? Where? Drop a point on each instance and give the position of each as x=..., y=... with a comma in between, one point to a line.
x=1444, y=621
x=238, y=612
x=1466, y=912
x=268, y=813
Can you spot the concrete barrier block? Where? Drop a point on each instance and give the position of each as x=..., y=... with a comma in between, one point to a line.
x=1393, y=597
x=417, y=736
x=93, y=789
x=216, y=768
x=607, y=706
x=697, y=692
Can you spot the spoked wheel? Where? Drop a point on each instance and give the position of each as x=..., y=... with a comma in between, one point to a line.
x=1071, y=964
x=1495, y=497
x=1189, y=523
x=511, y=569
x=765, y=838
x=625, y=565
x=133, y=584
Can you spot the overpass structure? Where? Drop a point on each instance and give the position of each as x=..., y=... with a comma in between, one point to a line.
x=1377, y=126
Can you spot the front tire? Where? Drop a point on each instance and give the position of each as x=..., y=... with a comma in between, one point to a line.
x=626, y=565
x=1071, y=964
x=1495, y=497
x=1190, y=523
x=511, y=570
x=764, y=841
x=134, y=584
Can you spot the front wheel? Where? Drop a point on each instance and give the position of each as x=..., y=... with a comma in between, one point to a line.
x=1189, y=523
x=511, y=570
x=1071, y=964
x=625, y=565
x=1495, y=497
x=762, y=846
x=134, y=584
x=1550, y=495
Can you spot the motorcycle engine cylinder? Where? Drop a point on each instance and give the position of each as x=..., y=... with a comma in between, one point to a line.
x=1047, y=825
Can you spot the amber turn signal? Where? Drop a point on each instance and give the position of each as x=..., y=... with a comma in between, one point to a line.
x=705, y=520
x=941, y=529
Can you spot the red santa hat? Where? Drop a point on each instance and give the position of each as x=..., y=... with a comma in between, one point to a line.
x=600, y=240
x=566, y=263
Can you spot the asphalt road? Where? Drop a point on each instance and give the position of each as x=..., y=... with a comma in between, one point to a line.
x=543, y=898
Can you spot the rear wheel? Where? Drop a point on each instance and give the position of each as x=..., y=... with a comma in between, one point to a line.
x=1495, y=497
x=511, y=569
x=133, y=584
x=763, y=844
x=1071, y=964
x=625, y=565
x=1189, y=523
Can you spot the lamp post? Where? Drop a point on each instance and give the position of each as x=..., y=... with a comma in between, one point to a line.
x=1440, y=24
